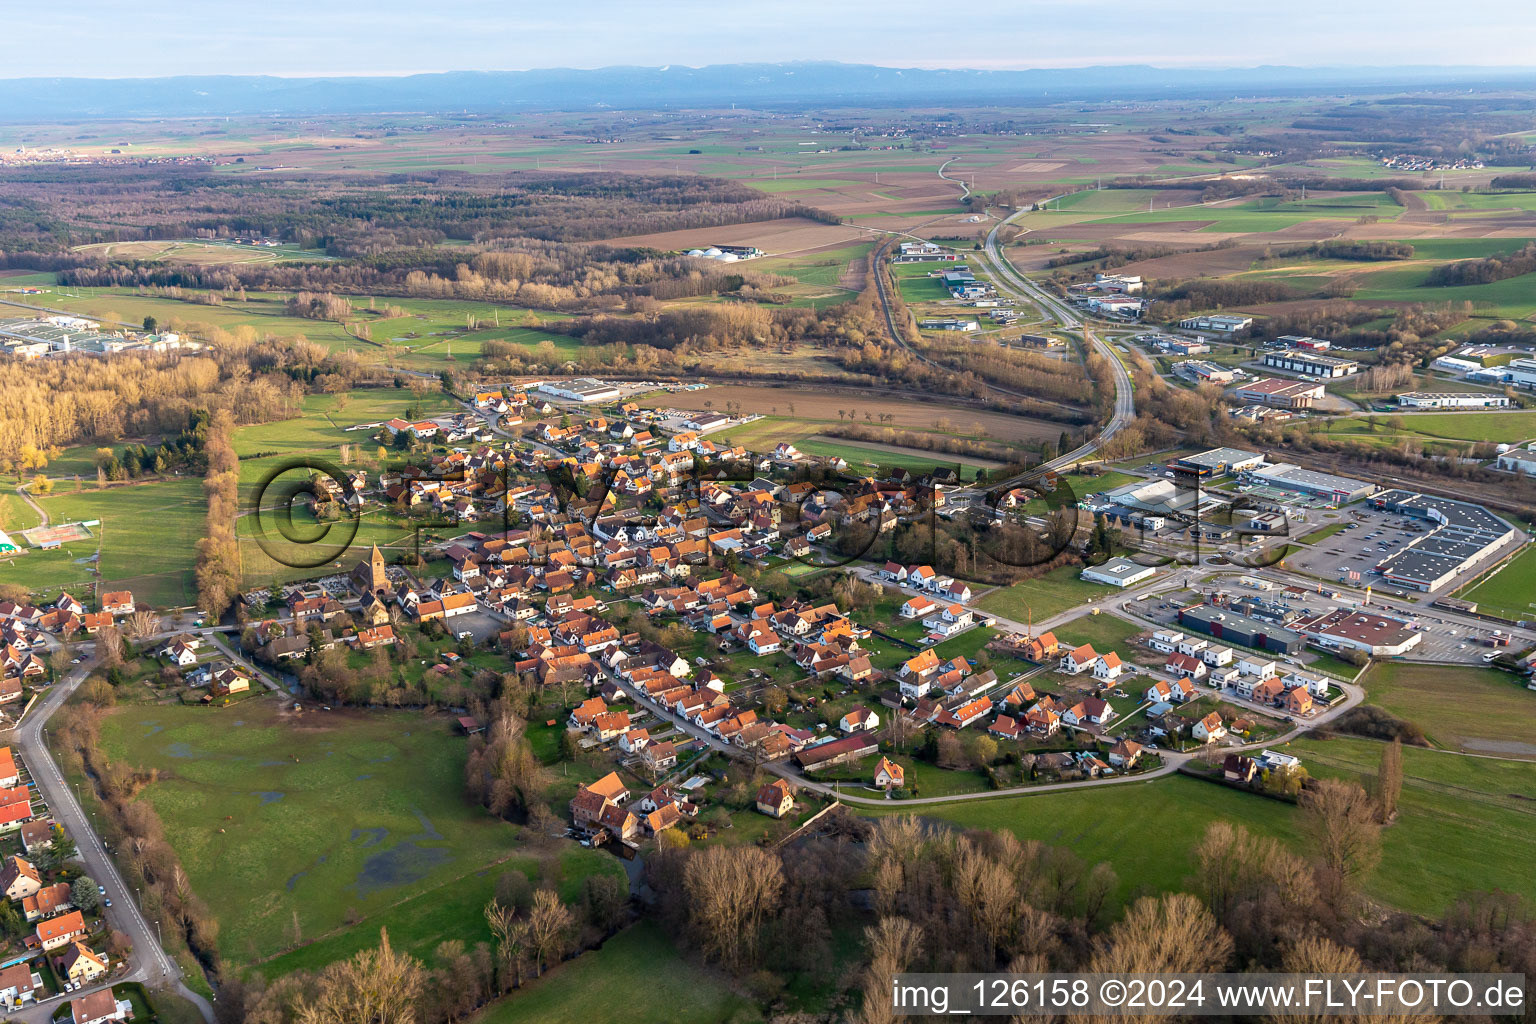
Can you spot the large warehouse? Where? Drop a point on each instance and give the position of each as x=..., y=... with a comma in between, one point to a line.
x=1281, y=393
x=1363, y=629
x=1463, y=536
x=582, y=389
x=1217, y=462
x=1283, y=475
x=1447, y=400
x=1243, y=630
x=1311, y=364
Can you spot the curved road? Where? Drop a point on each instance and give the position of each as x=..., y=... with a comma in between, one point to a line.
x=1008, y=279
x=154, y=967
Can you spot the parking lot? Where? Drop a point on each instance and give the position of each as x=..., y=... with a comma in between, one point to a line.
x=1368, y=537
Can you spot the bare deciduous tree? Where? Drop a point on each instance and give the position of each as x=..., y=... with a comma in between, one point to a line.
x=731, y=892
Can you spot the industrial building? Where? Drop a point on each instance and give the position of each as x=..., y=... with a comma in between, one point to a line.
x=1243, y=630
x=1448, y=400
x=1147, y=500
x=949, y=325
x=1361, y=629
x=1217, y=323
x=1217, y=462
x=582, y=389
x=1200, y=371
x=1118, y=572
x=1450, y=364
x=1464, y=535
x=1286, y=477
x=1307, y=344
x=1283, y=394
x=1310, y=363
x=1517, y=460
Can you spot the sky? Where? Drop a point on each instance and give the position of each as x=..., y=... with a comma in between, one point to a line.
x=156, y=38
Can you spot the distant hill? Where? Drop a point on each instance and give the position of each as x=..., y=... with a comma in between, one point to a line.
x=751, y=85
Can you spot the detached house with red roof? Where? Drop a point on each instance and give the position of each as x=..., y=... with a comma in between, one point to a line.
x=889, y=775
x=61, y=930
x=1079, y=660
x=1186, y=666
x=1108, y=667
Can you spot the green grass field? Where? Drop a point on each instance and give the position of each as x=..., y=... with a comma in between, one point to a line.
x=1444, y=426
x=1511, y=592
x=1481, y=710
x=639, y=969
x=148, y=540
x=1514, y=297
x=1464, y=824
x=871, y=456
x=332, y=817
x=1051, y=594
x=1458, y=830
x=1104, y=632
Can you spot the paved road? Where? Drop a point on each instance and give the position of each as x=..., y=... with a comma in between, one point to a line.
x=1009, y=280
x=152, y=965
x=26, y=496
x=1171, y=759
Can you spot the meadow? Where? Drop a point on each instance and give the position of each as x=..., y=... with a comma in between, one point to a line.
x=337, y=822
x=1464, y=824
x=1481, y=710
x=147, y=538
x=1459, y=829
x=639, y=969
x=1511, y=592
x=1057, y=591
x=1441, y=426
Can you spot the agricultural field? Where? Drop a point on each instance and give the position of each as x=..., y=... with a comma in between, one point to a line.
x=337, y=822
x=1510, y=592
x=1513, y=297
x=1477, y=710
x=792, y=413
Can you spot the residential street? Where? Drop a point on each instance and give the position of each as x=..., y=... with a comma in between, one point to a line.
x=151, y=964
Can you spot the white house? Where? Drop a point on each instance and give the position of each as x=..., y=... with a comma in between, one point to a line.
x=1209, y=729
x=1165, y=641
x=917, y=607
x=1185, y=666
x=1216, y=656
x=1080, y=660
x=951, y=620
x=1257, y=668
x=1108, y=667
x=859, y=720
x=1192, y=646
